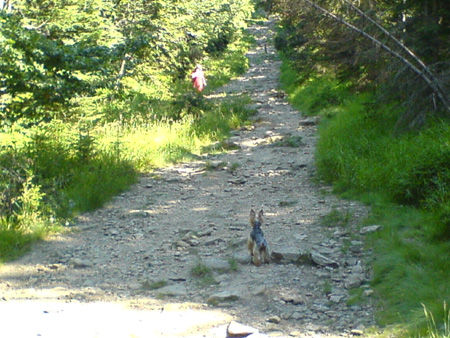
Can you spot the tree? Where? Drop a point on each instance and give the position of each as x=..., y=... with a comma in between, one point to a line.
x=57, y=55
x=423, y=79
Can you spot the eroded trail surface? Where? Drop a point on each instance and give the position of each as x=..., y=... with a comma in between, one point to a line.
x=168, y=258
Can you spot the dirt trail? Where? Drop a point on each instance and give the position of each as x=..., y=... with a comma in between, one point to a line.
x=168, y=258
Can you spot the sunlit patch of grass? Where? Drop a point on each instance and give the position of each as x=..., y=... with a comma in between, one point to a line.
x=158, y=143
x=435, y=330
x=203, y=274
x=336, y=218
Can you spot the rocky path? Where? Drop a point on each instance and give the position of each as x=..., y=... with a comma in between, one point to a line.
x=168, y=258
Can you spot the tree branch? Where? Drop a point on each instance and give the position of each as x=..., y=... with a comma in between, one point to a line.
x=425, y=73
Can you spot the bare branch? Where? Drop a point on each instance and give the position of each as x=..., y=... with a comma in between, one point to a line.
x=425, y=73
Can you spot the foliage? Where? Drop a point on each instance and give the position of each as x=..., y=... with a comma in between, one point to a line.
x=57, y=171
x=404, y=178
x=76, y=58
x=433, y=330
x=315, y=43
x=60, y=160
x=204, y=274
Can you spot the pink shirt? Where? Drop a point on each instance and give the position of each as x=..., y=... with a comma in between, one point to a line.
x=198, y=79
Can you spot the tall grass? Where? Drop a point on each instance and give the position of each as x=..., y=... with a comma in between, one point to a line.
x=406, y=180
x=54, y=171
x=57, y=170
x=149, y=144
x=434, y=330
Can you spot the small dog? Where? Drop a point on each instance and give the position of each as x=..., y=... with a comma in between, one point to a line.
x=256, y=243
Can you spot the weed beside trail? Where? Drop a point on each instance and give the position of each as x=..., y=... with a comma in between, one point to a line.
x=404, y=177
x=52, y=171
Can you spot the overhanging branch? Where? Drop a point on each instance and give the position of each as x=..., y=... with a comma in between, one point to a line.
x=424, y=73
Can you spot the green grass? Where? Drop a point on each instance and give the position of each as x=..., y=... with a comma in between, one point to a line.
x=290, y=141
x=57, y=170
x=404, y=261
x=152, y=144
x=153, y=285
x=434, y=330
x=74, y=170
x=14, y=243
x=404, y=177
x=203, y=274
x=336, y=218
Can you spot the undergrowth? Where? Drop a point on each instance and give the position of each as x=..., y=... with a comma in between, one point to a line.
x=403, y=176
x=55, y=170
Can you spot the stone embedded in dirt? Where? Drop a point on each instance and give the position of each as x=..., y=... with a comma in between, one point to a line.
x=354, y=281
x=191, y=239
x=286, y=257
x=205, y=233
x=274, y=320
x=258, y=290
x=370, y=229
x=242, y=257
x=217, y=264
x=368, y=293
x=138, y=213
x=236, y=330
x=78, y=263
x=356, y=246
x=308, y=122
x=172, y=290
x=293, y=299
x=213, y=241
x=114, y=232
x=357, y=332
x=238, y=242
x=322, y=260
x=297, y=315
x=229, y=145
x=135, y=286
x=224, y=296
x=177, y=279
x=336, y=298
x=278, y=257
x=181, y=244
x=237, y=181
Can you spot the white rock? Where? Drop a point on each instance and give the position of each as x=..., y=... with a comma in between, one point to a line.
x=236, y=329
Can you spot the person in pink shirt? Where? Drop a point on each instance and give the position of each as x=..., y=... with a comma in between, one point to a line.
x=198, y=78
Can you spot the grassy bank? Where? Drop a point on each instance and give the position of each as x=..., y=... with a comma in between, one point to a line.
x=53, y=171
x=404, y=177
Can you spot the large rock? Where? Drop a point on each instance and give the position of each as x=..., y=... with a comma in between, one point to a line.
x=242, y=257
x=172, y=290
x=369, y=229
x=224, y=296
x=217, y=264
x=356, y=277
x=322, y=260
x=291, y=257
x=236, y=329
x=79, y=263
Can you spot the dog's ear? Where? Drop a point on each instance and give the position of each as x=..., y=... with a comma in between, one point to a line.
x=252, y=217
x=261, y=216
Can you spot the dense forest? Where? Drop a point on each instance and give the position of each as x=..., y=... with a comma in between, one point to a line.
x=94, y=92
